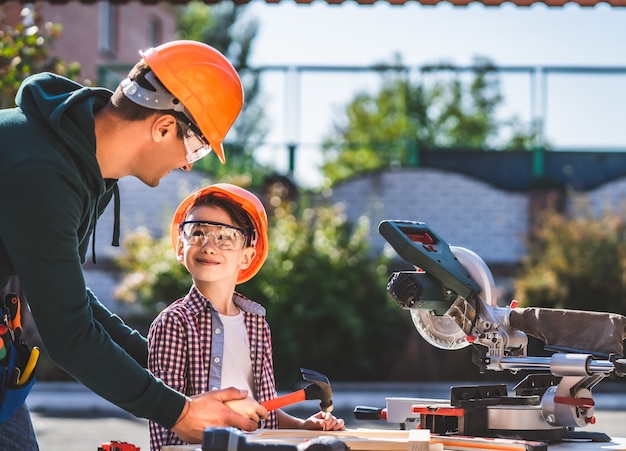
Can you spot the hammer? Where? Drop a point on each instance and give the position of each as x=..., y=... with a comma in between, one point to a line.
x=319, y=389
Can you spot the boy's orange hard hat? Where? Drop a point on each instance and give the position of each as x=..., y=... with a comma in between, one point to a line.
x=204, y=81
x=251, y=205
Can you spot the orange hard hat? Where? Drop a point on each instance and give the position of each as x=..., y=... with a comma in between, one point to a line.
x=251, y=205
x=199, y=81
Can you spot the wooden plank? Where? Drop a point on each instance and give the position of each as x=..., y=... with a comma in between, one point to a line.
x=370, y=439
x=356, y=439
x=389, y=440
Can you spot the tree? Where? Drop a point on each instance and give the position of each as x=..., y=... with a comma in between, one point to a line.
x=24, y=51
x=225, y=27
x=388, y=128
x=152, y=276
x=576, y=262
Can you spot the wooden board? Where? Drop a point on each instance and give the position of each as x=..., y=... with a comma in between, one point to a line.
x=396, y=440
x=356, y=439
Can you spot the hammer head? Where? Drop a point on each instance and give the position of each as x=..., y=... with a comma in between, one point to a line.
x=319, y=389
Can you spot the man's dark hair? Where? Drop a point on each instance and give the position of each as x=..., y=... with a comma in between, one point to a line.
x=129, y=110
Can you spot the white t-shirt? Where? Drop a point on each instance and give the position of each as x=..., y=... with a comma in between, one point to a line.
x=236, y=363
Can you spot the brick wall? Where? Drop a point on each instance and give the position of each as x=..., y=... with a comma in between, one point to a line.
x=463, y=211
x=608, y=196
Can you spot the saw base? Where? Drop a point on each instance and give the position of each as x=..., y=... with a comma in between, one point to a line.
x=487, y=411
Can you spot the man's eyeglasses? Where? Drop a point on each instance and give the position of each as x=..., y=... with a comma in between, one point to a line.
x=197, y=233
x=195, y=144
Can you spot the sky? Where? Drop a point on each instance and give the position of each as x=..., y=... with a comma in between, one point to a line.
x=577, y=110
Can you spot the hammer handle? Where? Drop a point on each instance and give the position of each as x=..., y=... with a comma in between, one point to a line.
x=285, y=400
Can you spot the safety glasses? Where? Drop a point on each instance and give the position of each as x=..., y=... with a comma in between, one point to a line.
x=195, y=145
x=197, y=233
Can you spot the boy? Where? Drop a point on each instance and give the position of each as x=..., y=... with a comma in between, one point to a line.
x=214, y=337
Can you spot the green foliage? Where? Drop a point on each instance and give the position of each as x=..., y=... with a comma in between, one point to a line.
x=325, y=296
x=153, y=277
x=24, y=52
x=576, y=263
x=390, y=127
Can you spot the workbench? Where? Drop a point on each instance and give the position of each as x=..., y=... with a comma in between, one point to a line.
x=411, y=440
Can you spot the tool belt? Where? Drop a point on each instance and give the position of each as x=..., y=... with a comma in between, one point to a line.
x=17, y=360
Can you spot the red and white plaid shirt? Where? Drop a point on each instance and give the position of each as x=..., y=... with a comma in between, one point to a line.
x=186, y=346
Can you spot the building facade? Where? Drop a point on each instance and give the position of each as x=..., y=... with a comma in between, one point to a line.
x=100, y=34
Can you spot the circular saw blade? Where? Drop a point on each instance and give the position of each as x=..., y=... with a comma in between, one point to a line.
x=442, y=331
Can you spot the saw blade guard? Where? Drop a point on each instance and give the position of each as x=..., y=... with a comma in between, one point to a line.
x=443, y=331
x=451, y=296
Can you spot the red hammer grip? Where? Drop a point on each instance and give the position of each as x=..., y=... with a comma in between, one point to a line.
x=285, y=400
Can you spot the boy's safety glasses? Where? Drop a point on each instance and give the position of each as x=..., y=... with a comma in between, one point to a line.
x=197, y=233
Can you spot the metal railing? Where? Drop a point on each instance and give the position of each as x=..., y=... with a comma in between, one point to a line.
x=572, y=99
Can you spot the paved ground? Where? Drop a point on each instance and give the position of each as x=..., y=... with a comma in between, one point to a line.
x=67, y=417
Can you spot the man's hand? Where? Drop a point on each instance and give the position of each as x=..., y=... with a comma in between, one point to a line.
x=209, y=410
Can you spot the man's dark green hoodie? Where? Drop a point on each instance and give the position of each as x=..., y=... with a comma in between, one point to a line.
x=51, y=194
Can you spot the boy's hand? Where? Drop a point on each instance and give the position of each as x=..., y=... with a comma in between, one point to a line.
x=209, y=409
x=324, y=421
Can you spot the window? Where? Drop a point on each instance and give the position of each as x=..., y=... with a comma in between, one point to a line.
x=155, y=31
x=107, y=33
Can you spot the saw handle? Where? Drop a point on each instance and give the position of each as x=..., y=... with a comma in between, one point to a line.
x=370, y=413
x=285, y=400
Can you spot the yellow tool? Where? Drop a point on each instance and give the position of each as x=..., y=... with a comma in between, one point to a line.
x=30, y=366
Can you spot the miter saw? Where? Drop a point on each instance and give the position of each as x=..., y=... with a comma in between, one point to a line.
x=452, y=299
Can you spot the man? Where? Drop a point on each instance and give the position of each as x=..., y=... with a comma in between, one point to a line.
x=62, y=150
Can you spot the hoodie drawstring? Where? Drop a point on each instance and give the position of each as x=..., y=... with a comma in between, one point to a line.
x=116, y=216
x=116, y=223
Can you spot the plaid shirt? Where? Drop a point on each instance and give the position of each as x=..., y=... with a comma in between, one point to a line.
x=185, y=349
